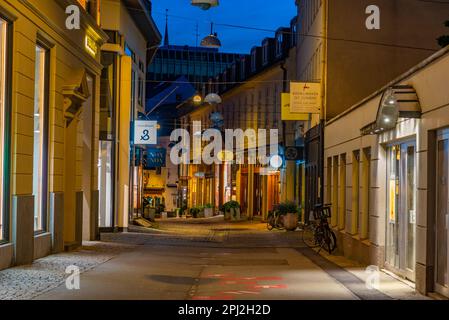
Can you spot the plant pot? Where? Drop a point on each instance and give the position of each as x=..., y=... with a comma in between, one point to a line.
x=290, y=221
x=208, y=212
x=235, y=214
x=227, y=215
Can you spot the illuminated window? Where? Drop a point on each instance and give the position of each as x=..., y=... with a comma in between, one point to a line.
x=40, y=150
x=4, y=191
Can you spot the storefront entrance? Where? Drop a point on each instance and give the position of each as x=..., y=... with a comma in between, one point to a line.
x=442, y=216
x=401, y=209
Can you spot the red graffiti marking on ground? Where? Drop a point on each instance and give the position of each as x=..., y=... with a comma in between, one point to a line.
x=271, y=286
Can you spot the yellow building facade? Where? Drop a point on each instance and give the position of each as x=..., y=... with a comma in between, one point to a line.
x=50, y=117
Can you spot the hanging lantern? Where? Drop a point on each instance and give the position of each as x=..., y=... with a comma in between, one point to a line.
x=213, y=98
x=211, y=41
x=205, y=4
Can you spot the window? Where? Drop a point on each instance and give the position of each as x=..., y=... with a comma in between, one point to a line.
x=366, y=170
x=265, y=53
x=334, y=216
x=4, y=129
x=355, y=192
x=140, y=92
x=40, y=150
x=342, y=194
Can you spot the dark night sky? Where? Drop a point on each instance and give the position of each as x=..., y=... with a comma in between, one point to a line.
x=266, y=14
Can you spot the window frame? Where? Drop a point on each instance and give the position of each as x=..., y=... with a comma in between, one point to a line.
x=6, y=148
x=45, y=139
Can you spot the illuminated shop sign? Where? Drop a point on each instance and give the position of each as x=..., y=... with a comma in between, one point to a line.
x=91, y=46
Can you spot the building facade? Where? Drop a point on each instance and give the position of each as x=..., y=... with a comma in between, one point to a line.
x=197, y=64
x=387, y=176
x=133, y=36
x=251, y=91
x=49, y=99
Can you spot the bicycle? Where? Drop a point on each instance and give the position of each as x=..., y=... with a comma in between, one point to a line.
x=318, y=233
x=275, y=221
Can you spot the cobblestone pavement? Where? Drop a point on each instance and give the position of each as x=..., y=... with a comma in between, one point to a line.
x=27, y=282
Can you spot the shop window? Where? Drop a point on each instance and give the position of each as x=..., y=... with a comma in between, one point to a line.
x=40, y=149
x=334, y=216
x=365, y=189
x=355, y=192
x=4, y=130
x=329, y=181
x=342, y=194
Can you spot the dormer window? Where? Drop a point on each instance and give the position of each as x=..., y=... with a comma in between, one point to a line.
x=243, y=68
x=279, y=42
x=265, y=53
x=253, y=60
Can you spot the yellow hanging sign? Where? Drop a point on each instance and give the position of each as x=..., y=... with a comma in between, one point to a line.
x=286, y=113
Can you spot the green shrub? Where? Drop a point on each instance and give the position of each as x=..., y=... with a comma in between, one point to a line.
x=231, y=205
x=287, y=207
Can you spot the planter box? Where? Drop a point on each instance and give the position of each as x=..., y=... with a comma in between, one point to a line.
x=235, y=214
x=208, y=212
x=290, y=221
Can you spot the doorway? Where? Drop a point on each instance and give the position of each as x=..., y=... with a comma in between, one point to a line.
x=442, y=216
x=401, y=209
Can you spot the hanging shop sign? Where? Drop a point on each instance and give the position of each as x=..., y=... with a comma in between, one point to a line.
x=154, y=158
x=145, y=132
x=294, y=153
x=305, y=97
x=286, y=113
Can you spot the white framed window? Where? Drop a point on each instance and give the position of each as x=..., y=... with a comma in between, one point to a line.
x=4, y=189
x=40, y=147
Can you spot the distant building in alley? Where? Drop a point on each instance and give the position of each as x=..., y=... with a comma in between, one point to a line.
x=197, y=64
x=251, y=91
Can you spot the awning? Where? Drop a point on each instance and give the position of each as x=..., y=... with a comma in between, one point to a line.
x=398, y=102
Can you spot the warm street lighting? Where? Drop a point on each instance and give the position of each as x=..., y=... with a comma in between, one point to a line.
x=205, y=4
x=197, y=99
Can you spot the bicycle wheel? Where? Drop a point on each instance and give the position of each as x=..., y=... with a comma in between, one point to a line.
x=309, y=237
x=270, y=222
x=330, y=240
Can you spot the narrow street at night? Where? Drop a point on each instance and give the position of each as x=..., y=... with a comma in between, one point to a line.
x=214, y=260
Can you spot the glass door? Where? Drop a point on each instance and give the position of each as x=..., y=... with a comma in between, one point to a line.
x=442, y=218
x=401, y=214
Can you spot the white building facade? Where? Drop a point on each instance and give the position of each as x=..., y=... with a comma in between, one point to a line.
x=387, y=177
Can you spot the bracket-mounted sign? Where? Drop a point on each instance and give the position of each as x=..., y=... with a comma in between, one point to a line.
x=145, y=132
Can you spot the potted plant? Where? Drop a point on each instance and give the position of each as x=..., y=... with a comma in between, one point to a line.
x=208, y=210
x=289, y=212
x=232, y=210
x=196, y=212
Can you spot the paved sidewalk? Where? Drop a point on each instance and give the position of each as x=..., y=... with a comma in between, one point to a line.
x=200, y=260
x=27, y=282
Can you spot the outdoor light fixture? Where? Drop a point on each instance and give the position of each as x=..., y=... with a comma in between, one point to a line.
x=211, y=41
x=399, y=101
x=205, y=4
x=197, y=99
x=213, y=98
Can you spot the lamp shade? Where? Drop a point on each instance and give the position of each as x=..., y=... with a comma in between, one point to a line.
x=213, y=98
x=211, y=41
x=205, y=4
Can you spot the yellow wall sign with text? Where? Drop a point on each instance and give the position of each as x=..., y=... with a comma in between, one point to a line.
x=287, y=115
x=305, y=97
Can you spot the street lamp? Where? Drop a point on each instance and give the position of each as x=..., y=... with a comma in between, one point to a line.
x=211, y=41
x=213, y=98
x=205, y=4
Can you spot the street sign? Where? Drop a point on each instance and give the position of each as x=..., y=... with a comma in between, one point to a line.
x=145, y=132
x=305, y=97
x=286, y=114
x=154, y=158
